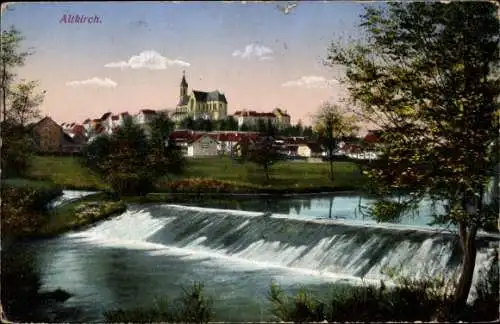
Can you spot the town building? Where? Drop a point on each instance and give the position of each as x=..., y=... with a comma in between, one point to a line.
x=50, y=138
x=278, y=118
x=199, y=104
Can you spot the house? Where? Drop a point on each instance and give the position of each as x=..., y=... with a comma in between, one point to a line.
x=277, y=117
x=50, y=138
x=145, y=116
x=202, y=145
x=227, y=141
x=310, y=150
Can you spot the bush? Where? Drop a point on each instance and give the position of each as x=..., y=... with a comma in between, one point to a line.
x=24, y=206
x=192, y=307
x=204, y=186
x=410, y=300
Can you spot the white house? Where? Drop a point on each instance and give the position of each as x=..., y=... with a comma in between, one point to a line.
x=145, y=116
x=277, y=117
x=202, y=145
x=310, y=150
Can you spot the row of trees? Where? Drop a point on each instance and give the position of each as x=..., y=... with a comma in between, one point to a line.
x=230, y=124
x=428, y=74
x=20, y=105
x=130, y=161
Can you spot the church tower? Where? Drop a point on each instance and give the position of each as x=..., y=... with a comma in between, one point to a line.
x=184, y=87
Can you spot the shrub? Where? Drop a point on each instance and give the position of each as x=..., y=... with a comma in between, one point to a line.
x=191, y=307
x=24, y=207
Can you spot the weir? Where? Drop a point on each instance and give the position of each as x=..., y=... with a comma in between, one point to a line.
x=346, y=249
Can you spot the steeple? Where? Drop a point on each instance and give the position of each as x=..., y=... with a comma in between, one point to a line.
x=184, y=86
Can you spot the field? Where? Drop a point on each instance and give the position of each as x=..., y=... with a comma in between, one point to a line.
x=70, y=174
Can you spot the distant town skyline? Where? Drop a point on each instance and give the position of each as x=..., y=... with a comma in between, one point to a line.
x=92, y=58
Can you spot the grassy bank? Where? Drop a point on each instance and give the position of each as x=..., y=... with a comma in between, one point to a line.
x=25, y=211
x=78, y=214
x=220, y=175
x=65, y=171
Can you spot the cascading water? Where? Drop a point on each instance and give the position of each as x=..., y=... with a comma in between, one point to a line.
x=329, y=248
x=69, y=196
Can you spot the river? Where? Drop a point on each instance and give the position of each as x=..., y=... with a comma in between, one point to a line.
x=236, y=247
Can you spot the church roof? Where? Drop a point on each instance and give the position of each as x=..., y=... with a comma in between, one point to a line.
x=183, y=82
x=209, y=96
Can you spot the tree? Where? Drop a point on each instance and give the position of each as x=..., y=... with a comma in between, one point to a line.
x=231, y=124
x=264, y=152
x=331, y=124
x=166, y=156
x=261, y=126
x=11, y=57
x=128, y=167
x=188, y=123
x=19, y=106
x=24, y=103
x=427, y=74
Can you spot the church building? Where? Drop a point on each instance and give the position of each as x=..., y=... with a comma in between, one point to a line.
x=200, y=104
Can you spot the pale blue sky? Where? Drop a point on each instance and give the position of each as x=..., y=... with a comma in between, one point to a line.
x=204, y=34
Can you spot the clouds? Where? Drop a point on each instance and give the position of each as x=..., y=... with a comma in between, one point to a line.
x=255, y=50
x=93, y=82
x=311, y=82
x=149, y=60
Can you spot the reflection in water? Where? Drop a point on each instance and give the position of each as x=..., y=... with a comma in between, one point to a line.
x=346, y=207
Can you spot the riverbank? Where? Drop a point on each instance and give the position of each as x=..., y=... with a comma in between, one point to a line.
x=78, y=214
x=27, y=213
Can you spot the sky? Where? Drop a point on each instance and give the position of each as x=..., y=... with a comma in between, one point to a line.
x=133, y=55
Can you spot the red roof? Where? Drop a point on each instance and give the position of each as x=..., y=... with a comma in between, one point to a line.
x=99, y=129
x=78, y=129
x=371, y=138
x=148, y=111
x=181, y=135
x=114, y=117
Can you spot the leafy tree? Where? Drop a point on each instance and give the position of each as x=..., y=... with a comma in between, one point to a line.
x=24, y=103
x=427, y=74
x=331, y=124
x=10, y=58
x=97, y=151
x=167, y=155
x=188, y=123
x=264, y=152
x=231, y=124
x=20, y=106
x=128, y=167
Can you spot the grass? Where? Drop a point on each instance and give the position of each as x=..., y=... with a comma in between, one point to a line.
x=283, y=173
x=69, y=173
x=65, y=171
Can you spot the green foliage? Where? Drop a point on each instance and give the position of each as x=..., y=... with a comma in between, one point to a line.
x=264, y=152
x=191, y=307
x=24, y=207
x=130, y=162
x=424, y=76
x=19, y=106
x=332, y=124
x=17, y=150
